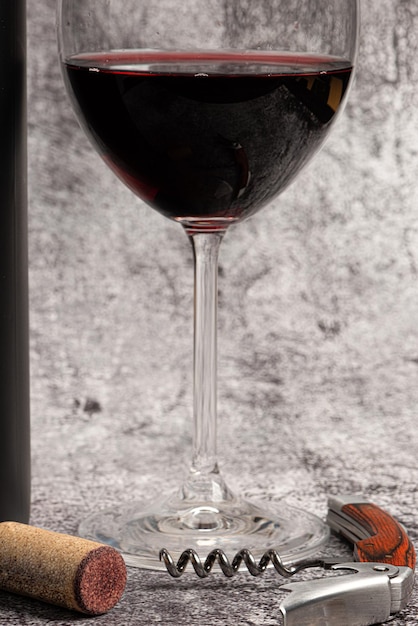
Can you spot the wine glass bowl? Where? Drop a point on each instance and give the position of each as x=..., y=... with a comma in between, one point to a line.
x=218, y=139
x=207, y=110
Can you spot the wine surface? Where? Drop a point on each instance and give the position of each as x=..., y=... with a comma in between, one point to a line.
x=206, y=136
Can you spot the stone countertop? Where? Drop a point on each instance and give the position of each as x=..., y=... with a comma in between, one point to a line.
x=318, y=333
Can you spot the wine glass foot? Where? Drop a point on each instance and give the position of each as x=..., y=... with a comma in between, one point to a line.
x=139, y=533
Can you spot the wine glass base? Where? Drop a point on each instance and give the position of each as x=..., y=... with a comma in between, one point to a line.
x=140, y=533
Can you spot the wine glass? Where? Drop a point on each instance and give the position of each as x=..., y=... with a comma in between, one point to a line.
x=207, y=109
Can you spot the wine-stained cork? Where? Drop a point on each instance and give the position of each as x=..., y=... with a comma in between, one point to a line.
x=60, y=569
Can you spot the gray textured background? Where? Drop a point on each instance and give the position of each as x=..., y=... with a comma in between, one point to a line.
x=318, y=334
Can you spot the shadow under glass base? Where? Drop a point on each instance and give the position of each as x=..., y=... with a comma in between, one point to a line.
x=176, y=524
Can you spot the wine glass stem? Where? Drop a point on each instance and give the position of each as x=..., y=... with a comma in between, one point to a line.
x=205, y=249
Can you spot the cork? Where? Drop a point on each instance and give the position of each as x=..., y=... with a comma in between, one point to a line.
x=63, y=570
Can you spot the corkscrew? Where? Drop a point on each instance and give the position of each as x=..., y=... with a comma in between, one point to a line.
x=384, y=563
x=231, y=568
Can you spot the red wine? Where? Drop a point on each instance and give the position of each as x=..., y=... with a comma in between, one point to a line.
x=14, y=348
x=206, y=136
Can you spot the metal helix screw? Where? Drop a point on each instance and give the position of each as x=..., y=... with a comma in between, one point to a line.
x=229, y=568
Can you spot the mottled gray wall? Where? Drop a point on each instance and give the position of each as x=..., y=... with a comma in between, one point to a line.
x=318, y=330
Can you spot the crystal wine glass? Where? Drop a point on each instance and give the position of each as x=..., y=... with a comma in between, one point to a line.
x=206, y=110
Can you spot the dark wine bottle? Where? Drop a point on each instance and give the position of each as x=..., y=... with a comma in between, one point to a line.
x=14, y=349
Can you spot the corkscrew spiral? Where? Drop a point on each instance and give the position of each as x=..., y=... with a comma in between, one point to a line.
x=229, y=568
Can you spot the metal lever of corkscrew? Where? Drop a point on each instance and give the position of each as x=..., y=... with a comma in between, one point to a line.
x=381, y=580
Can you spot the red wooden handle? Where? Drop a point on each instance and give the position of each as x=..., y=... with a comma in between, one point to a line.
x=388, y=541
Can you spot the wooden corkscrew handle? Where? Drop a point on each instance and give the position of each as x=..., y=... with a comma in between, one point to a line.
x=381, y=538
